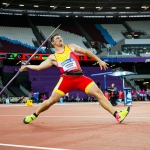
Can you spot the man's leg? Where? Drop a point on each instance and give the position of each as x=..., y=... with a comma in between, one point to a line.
x=43, y=107
x=95, y=91
x=113, y=101
x=55, y=97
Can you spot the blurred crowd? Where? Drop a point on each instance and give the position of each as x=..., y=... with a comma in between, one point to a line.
x=141, y=95
x=111, y=93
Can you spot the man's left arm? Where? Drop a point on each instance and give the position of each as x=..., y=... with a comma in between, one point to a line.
x=80, y=50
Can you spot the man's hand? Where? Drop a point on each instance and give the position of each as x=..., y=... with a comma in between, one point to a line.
x=102, y=65
x=23, y=68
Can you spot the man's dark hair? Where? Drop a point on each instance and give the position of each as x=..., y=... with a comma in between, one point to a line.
x=52, y=38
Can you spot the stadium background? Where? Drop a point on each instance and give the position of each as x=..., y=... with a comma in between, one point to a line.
x=116, y=31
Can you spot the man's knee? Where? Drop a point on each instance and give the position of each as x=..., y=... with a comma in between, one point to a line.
x=97, y=93
x=54, y=98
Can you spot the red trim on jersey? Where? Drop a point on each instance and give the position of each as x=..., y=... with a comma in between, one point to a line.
x=72, y=55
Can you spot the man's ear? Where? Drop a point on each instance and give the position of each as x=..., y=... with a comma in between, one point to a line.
x=52, y=43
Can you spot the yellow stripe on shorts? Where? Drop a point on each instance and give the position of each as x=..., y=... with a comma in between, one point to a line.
x=56, y=87
x=87, y=88
x=59, y=91
x=59, y=82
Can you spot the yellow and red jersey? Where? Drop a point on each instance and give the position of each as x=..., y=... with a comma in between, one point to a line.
x=67, y=61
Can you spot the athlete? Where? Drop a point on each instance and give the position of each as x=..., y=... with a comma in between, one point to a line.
x=72, y=76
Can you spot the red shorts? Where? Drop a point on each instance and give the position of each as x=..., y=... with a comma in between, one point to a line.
x=68, y=83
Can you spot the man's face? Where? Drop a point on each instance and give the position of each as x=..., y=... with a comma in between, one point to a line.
x=112, y=85
x=58, y=41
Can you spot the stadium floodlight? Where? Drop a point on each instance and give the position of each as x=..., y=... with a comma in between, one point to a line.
x=4, y=3
x=113, y=7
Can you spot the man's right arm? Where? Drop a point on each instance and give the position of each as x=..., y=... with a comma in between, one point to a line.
x=45, y=64
x=110, y=89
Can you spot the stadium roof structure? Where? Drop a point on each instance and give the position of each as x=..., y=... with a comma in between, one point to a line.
x=77, y=7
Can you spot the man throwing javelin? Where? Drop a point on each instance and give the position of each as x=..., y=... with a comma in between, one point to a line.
x=72, y=76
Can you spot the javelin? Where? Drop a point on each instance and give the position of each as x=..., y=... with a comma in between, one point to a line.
x=29, y=59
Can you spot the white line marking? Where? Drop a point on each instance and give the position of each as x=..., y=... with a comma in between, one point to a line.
x=57, y=104
x=69, y=104
x=33, y=147
x=11, y=106
x=71, y=116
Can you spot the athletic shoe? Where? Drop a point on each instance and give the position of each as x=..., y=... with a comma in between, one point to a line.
x=29, y=119
x=120, y=116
